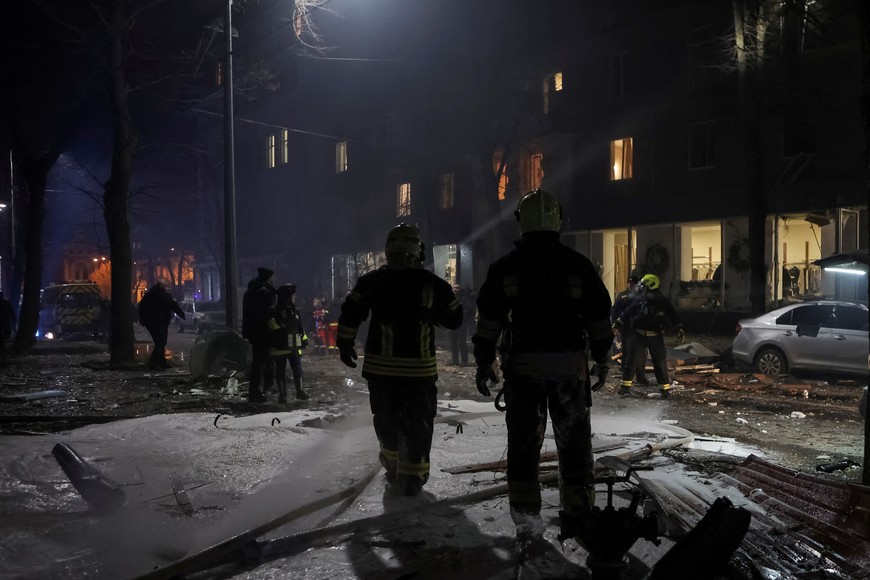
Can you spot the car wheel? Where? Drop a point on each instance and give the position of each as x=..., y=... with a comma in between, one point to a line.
x=771, y=361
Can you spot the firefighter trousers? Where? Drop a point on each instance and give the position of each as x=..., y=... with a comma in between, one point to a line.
x=404, y=413
x=655, y=343
x=528, y=401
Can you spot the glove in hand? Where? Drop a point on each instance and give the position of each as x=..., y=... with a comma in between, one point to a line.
x=348, y=355
x=482, y=377
x=681, y=335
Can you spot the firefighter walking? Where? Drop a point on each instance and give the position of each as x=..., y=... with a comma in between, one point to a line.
x=645, y=319
x=406, y=303
x=547, y=305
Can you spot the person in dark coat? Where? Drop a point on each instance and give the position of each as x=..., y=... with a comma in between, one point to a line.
x=256, y=312
x=155, y=314
x=546, y=306
x=459, y=337
x=7, y=323
x=406, y=302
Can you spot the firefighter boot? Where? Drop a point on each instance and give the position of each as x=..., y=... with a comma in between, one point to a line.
x=665, y=390
x=300, y=394
x=625, y=389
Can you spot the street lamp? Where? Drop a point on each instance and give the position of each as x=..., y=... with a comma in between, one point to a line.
x=229, y=176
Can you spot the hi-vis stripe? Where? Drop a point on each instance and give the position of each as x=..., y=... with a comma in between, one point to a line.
x=427, y=296
x=425, y=338
x=391, y=366
x=488, y=329
x=386, y=339
x=348, y=332
x=416, y=469
x=524, y=492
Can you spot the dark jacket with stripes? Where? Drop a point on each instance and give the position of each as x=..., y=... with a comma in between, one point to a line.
x=406, y=304
x=546, y=298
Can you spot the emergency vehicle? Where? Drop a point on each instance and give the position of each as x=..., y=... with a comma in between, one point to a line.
x=69, y=309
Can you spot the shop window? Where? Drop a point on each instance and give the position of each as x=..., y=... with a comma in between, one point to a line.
x=341, y=157
x=621, y=159
x=270, y=151
x=446, y=190
x=701, y=145
x=403, y=200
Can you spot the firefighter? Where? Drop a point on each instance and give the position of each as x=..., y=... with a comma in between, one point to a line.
x=547, y=305
x=646, y=319
x=155, y=314
x=623, y=299
x=288, y=340
x=406, y=303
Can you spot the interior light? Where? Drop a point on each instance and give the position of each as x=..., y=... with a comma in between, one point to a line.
x=846, y=271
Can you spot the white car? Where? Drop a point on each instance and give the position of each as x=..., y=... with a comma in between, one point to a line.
x=201, y=316
x=824, y=335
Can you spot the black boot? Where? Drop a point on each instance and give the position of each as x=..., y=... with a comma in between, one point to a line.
x=300, y=394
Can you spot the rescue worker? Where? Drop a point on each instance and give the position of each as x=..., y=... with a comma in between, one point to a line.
x=288, y=340
x=623, y=299
x=256, y=308
x=547, y=305
x=645, y=319
x=155, y=314
x=406, y=303
x=7, y=323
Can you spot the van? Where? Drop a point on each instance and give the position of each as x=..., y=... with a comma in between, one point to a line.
x=66, y=309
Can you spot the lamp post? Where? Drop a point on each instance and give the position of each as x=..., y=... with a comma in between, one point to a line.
x=229, y=176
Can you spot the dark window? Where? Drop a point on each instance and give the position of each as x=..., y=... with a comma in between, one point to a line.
x=852, y=318
x=701, y=145
x=785, y=319
x=814, y=315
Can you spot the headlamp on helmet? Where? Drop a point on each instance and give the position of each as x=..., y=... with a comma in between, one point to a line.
x=539, y=211
x=650, y=282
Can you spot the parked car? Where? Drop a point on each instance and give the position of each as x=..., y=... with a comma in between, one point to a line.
x=201, y=316
x=824, y=335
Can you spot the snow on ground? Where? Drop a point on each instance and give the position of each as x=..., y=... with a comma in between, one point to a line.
x=243, y=471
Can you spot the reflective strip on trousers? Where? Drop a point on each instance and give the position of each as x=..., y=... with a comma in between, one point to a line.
x=415, y=469
x=524, y=493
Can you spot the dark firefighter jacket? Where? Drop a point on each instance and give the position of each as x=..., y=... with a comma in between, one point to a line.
x=545, y=298
x=288, y=336
x=650, y=313
x=156, y=308
x=406, y=304
x=256, y=310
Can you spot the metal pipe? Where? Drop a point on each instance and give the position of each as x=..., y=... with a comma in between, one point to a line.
x=230, y=274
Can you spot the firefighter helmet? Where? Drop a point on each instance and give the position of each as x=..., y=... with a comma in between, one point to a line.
x=405, y=239
x=650, y=282
x=539, y=211
x=286, y=290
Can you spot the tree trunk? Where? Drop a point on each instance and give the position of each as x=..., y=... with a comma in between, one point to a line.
x=116, y=194
x=35, y=172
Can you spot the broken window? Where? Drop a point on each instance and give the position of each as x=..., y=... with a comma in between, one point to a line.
x=502, y=177
x=403, y=200
x=446, y=190
x=341, y=157
x=621, y=159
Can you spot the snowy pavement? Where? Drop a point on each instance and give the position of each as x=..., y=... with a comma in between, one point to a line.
x=242, y=471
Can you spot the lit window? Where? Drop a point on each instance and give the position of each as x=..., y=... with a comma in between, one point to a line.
x=557, y=81
x=502, y=177
x=341, y=157
x=403, y=199
x=446, y=190
x=621, y=158
x=285, y=146
x=700, y=145
x=271, y=151
x=535, y=171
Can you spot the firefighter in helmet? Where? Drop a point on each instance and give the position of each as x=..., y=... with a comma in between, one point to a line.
x=288, y=339
x=646, y=318
x=547, y=306
x=406, y=302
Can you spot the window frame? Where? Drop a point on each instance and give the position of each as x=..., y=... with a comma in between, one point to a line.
x=627, y=153
x=403, y=199
x=270, y=152
x=341, y=157
x=447, y=182
x=285, y=146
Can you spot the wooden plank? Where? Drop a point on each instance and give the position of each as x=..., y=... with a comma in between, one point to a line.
x=546, y=456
